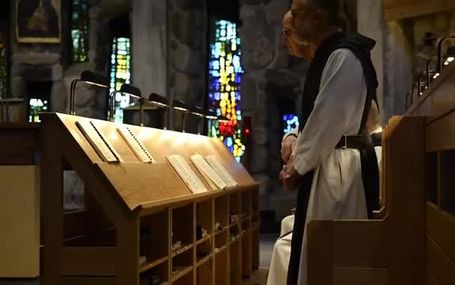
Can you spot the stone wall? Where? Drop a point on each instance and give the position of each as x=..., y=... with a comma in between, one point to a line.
x=272, y=79
x=187, y=55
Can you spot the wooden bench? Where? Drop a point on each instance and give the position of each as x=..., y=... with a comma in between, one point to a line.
x=414, y=242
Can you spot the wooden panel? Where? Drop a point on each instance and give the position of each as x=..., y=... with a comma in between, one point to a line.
x=440, y=135
x=361, y=276
x=438, y=99
x=89, y=261
x=401, y=9
x=88, y=280
x=19, y=144
x=320, y=252
x=441, y=229
x=19, y=221
x=360, y=244
x=440, y=265
x=446, y=181
x=404, y=181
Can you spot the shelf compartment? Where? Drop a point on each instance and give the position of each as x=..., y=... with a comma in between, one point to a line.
x=182, y=250
x=149, y=265
x=184, y=277
x=183, y=225
x=235, y=262
x=222, y=267
x=234, y=204
x=204, y=273
x=182, y=264
x=247, y=258
x=203, y=250
x=154, y=237
x=221, y=211
x=204, y=218
x=255, y=247
x=156, y=274
x=221, y=239
x=246, y=202
x=255, y=200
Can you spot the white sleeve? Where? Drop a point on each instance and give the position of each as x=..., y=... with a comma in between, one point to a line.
x=337, y=110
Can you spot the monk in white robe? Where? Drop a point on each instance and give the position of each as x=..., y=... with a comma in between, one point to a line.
x=337, y=189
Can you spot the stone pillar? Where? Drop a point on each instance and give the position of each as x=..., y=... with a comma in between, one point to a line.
x=370, y=22
x=148, y=23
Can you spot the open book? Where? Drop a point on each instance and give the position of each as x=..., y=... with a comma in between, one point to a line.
x=135, y=145
x=98, y=141
x=221, y=171
x=207, y=171
x=186, y=173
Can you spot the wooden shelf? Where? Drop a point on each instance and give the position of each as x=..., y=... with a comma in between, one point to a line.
x=132, y=205
x=150, y=265
x=203, y=260
x=181, y=250
x=204, y=239
x=182, y=272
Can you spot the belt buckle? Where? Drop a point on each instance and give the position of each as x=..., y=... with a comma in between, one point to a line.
x=345, y=142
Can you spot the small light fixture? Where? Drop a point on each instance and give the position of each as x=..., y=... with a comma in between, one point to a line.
x=182, y=107
x=440, y=42
x=133, y=92
x=199, y=114
x=89, y=78
x=161, y=102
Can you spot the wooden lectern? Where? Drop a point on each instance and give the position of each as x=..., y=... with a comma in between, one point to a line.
x=141, y=223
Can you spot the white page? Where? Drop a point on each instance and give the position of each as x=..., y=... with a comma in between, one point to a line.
x=135, y=145
x=221, y=171
x=98, y=141
x=202, y=165
x=186, y=173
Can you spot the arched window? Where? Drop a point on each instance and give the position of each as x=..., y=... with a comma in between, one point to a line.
x=225, y=75
x=120, y=73
x=79, y=31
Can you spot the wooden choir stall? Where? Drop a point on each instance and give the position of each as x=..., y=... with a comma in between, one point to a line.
x=161, y=207
x=412, y=239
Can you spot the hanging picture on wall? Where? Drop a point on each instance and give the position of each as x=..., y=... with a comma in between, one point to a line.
x=38, y=21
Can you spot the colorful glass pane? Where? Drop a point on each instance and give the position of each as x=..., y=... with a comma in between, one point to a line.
x=120, y=73
x=225, y=75
x=79, y=31
x=3, y=64
x=290, y=122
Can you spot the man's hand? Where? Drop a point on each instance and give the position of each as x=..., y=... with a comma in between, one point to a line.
x=289, y=176
x=287, y=147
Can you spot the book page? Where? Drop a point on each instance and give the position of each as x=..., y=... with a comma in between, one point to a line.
x=205, y=168
x=186, y=173
x=98, y=141
x=135, y=145
x=221, y=171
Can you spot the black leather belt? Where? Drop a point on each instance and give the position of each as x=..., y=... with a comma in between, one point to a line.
x=356, y=141
x=350, y=142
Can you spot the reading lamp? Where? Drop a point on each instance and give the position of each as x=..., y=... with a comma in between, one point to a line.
x=199, y=114
x=89, y=78
x=449, y=58
x=131, y=91
x=161, y=102
x=181, y=106
x=440, y=42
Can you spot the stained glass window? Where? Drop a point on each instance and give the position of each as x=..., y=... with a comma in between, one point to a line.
x=225, y=75
x=3, y=62
x=37, y=106
x=79, y=31
x=290, y=122
x=120, y=73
